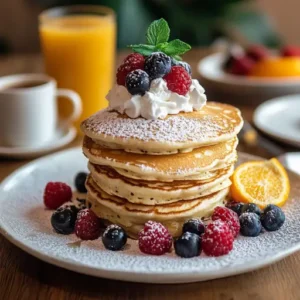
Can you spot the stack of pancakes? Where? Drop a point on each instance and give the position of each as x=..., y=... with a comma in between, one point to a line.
x=166, y=170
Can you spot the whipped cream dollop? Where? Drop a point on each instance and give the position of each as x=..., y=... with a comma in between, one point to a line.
x=156, y=103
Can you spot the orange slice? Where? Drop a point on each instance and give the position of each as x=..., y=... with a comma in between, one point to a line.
x=261, y=182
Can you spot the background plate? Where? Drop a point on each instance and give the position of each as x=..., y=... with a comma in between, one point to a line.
x=26, y=223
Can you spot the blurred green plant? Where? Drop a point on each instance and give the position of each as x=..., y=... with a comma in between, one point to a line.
x=197, y=22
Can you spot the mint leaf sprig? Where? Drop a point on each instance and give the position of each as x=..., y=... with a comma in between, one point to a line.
x=157, y=37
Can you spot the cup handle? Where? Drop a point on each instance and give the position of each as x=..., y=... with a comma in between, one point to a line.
x=76, y=102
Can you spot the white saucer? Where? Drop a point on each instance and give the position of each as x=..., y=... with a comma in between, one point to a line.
x=280, y=119
x=26, y=223
x=60, y=139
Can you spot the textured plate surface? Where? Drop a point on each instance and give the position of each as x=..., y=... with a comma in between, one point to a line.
x=26, y=223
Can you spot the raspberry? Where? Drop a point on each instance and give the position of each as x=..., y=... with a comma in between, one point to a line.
x=290, y=51
x=229, y=217
x=88, y=225
x=242, y=65
x=155, y=239
x=257, y=52
x=132, y=62
x=56, y=194
x=178, y=80
x=217, y=240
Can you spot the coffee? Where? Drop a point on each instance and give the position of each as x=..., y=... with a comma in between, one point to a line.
x=22, y=85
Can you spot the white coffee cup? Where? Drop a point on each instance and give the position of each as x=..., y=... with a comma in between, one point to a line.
x=28, y=109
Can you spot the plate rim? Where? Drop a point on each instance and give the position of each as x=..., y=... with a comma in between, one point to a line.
x=125, y=275
x=262, y=107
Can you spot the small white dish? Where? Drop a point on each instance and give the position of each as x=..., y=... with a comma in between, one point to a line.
x=291, y=160
x=26, y=223
x=61, y=138
x=241, y=89
x=280, y=119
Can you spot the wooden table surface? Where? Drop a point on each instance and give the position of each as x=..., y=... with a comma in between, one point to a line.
x=23, y=276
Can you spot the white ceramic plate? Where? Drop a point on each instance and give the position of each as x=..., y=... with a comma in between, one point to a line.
x=241, y=89
x=61, y=138
x=26, y=223
x=280, y=118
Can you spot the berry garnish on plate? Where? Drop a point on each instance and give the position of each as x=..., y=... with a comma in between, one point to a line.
x=229, y=217
x=290, y=51
x=64, y=218
x=80, y=179
x=257, y=52
x=242, y=66
x=88, y=225
x=194, y=226
x=188, y=245
x=157, y=65
x=251, y=207
x=250, y=224
x=183, y=64
x=56, y=194
x=272, y=218
x=114, y=238
x=132, y=62
x=235, y=206
x=217, y=239
x=155, y=239
x=137, y=82
x=178, y=80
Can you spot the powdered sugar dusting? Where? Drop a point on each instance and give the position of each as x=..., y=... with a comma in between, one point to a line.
x=27, y=222
x=172, y=129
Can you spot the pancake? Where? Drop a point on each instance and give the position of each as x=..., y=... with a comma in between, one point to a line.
x=214, y=123
x=164, y=167
x=132, y=217
x=156, y=192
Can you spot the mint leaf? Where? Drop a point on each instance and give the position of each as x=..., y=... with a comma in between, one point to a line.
x=177, y=57
x=158, y=32
x=143, y=49
x=176, y=47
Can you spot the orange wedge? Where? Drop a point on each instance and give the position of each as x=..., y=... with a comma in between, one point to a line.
x=261, y=182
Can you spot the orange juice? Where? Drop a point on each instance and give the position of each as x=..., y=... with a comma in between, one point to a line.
x=79, y=52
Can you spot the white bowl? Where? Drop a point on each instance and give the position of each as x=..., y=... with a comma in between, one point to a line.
x=224, y=87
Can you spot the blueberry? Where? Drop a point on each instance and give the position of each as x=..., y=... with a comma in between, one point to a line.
x=272, y=218
x=80, y=182
x=114, y=238
x=157, y=65
x=63, y=219
x=194, y=226
x=251, y=207
x=235, y=206
x=250, y=224
x=188, y=245
x=137, y=82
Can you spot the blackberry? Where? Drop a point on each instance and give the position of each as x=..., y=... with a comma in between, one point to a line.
x=157, y=65
x=137, y=82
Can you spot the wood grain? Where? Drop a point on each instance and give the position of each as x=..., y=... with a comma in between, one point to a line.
x=24, y=277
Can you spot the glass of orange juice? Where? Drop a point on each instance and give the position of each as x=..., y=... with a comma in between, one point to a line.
x=78, y=44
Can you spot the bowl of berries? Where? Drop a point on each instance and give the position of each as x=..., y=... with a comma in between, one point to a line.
x=254, y=74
